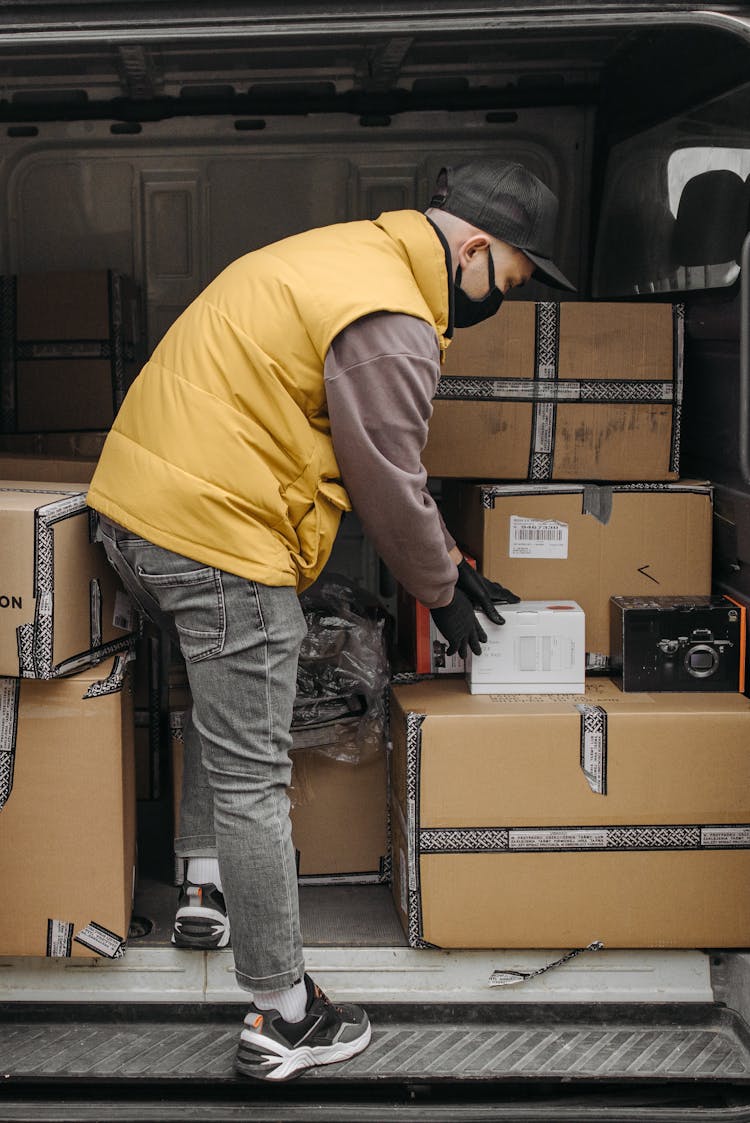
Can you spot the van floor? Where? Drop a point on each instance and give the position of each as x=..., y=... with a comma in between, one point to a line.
x=330, y=915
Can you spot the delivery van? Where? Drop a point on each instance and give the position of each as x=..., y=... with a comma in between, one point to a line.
x=543, y=903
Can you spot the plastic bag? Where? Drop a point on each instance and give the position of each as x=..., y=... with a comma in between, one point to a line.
x=343, y=671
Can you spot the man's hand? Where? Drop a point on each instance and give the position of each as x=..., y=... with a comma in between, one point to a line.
x=459, y=625
x=484, y=593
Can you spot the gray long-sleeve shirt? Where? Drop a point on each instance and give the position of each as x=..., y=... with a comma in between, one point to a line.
x=381, y=374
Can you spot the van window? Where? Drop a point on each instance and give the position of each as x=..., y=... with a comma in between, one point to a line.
x=676, y=204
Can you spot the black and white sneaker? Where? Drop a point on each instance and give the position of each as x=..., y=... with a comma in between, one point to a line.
x=201, y=921
x=273, y=1049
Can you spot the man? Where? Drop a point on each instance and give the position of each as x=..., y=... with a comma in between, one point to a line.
x=298, y=381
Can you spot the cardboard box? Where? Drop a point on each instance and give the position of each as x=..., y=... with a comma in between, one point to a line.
x=540, y=649
x=72, y=348
x=339, y=811
x=67, y=827
x=25, y=466
x=587, y=543
x=572, y=391
x=61, y=605
x=678, y=643
x=543, y=822
x=56, y=394
x=339, y=816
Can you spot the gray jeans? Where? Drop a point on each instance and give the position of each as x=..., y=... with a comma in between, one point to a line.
x=241, y=643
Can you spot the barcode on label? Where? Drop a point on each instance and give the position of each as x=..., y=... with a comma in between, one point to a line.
x=544, y=533
x=537, y=538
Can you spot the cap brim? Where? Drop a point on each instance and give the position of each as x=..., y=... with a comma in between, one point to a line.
x=547, y=272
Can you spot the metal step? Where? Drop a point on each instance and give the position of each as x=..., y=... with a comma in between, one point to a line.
x=634, y=1063
x=474, y=1044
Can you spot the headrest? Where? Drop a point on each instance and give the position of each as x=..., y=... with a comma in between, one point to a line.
x=712, y=219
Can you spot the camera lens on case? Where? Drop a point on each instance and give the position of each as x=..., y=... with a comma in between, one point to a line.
x=701, y=660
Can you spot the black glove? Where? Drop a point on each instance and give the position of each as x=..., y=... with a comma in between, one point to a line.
x=483, y=593
x=459, y=625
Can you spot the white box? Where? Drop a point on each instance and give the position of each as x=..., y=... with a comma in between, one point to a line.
x=540, y=649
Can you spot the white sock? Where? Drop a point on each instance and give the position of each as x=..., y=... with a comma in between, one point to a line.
x=290, y=1002
x=204, y=871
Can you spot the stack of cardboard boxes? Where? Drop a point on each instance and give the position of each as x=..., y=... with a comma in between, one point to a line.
x=557, y=820
x=619, y=814
x=70, y=345
x=67, y=794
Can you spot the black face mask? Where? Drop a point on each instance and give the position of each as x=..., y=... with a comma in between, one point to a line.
x=466, y=310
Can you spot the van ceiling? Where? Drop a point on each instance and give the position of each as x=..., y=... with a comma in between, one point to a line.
x=136, y=61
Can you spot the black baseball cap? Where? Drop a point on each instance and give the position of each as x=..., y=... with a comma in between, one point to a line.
x=505, y=200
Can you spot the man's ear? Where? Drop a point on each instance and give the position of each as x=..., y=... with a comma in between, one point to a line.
x=470, y=247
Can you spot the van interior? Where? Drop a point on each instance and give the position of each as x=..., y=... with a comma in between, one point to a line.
x=164, y=140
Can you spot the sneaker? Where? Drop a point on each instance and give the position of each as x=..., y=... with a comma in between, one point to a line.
x=201, y=921
x=273, y=1049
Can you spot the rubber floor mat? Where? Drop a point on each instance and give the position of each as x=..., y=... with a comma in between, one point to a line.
x=690, y=1042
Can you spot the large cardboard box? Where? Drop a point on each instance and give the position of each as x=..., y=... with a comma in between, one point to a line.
x=61, y=605
x=67, y=827
x=339, y=810
x=587, y=543
x=550, y=823
x=72, y=347
x=572, y=391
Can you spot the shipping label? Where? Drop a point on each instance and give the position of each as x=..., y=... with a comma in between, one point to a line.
x=537, y=538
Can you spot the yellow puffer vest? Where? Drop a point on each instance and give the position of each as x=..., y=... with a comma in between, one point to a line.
x=222, y=449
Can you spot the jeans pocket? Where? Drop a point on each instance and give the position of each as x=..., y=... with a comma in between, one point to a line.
x=194, y=597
